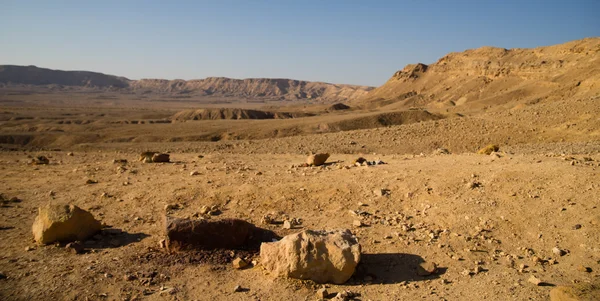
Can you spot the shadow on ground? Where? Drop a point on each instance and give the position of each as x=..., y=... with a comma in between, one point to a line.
x=110, y=238
x=389, y=268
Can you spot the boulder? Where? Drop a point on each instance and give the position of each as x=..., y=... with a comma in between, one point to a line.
x=577, y=292
x=64, y=223
x=321, y=256
x=40, y=160
x=317, y=159
x=188, y=234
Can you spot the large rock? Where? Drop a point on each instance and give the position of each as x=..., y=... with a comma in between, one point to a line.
x=188, y=234
x=578, y=292
x=317, y=159
x=321, y=256
x=63, y=223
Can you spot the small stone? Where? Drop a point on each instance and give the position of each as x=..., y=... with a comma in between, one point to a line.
x=357, y=223
x=75, y=247
x=558, y=252
x=426, y=268
x=237, y=289
x=129, y=277
x=577, y=227
x=534, y=280
x=90, y=181
x=28, y=248
x=194, y=173
x=322, y=293
x=584, y=269
x=204, y=210
x=239, y=263
x=381, y=192
x=70, y=154
x=287, y=225
x=162, y=243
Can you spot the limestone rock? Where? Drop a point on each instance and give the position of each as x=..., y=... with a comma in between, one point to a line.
x=578, y=292
x=317, y=159
x=64, y=223
x=321, y=256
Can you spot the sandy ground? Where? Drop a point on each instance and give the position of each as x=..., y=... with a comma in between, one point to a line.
x=495, y=217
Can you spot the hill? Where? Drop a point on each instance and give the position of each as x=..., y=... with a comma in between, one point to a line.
x=481, y=78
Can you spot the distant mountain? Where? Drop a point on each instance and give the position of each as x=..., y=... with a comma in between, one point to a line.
x=479, y=78
x=285, y=89
x=32, y=75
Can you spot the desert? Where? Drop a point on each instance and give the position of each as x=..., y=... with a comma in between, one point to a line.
x=475, y=177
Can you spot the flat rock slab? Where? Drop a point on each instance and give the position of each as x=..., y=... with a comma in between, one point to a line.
x=187, y=234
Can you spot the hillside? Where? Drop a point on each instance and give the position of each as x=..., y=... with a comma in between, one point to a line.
x=488, y=76
x=252, y=88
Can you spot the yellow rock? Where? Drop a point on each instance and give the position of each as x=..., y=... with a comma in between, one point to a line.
x=63, y=223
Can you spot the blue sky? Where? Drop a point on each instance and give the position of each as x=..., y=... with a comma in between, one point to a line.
x=354, y=42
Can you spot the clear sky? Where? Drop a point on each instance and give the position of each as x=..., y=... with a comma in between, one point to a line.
x=354, y=42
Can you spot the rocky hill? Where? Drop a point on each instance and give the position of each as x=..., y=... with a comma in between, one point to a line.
x=235, y=114
x=488, y=76
x=252, y=88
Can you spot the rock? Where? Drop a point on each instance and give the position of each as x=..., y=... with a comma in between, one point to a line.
x=120, y=161
x=381, y=192
x=3, y=276
x=317, y=159
x=322, y=293
x=489, y=149
x=90, y=181
x=161, y=158
x=558, y=252
x=186, y=234
x=321, y=256
x=239, y=263
x=577, y=227
x=441, y=151
x=194, y=173
x=357, y=223
x=70, y=154
x=40, y=160
x=287, y=225
x=426, y=268
x=359, y=161
x=75, y=247
x=579, y=292
x=64, y=223
x=584, y=269
x=162, y=243
x=534, y=280
x=238, y=289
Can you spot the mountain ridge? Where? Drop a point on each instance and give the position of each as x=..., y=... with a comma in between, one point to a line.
x=278, y=88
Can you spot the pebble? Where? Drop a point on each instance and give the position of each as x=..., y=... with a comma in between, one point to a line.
x=584, y=269
x=194, y=173
x=287, y=225
x=239, y=263
x=75, y=247
x=237, y=289
x=534, y=280
x=558, y=252
x=426, y=268
x=357, y=223
x=577, y=227
x=322, y=293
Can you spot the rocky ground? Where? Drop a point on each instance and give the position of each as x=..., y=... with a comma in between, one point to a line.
x=493, y=224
